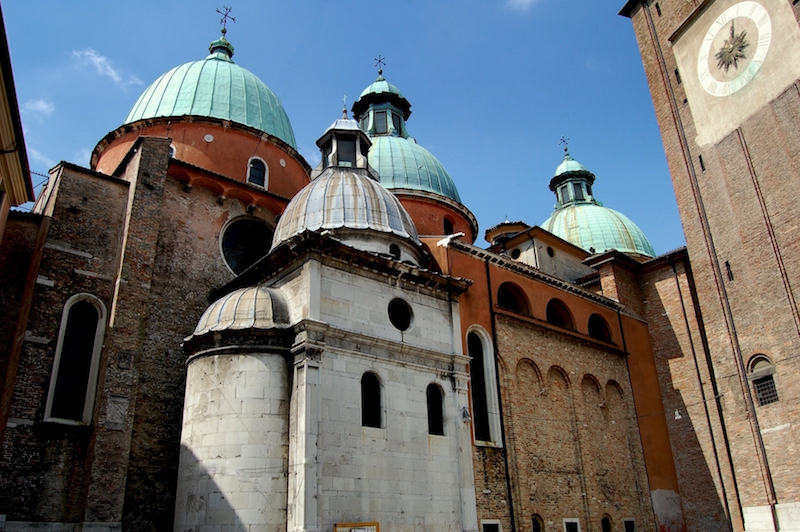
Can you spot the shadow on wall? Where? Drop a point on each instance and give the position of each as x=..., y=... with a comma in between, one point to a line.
x=201, y=504
x=690, y=419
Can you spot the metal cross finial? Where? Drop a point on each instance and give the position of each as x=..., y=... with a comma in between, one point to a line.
x=564, y=142
x=226, y=16
x=380, y=63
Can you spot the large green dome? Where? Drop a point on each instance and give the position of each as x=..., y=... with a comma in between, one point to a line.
x=401, y=163
x=215, y=87
x=582, y=220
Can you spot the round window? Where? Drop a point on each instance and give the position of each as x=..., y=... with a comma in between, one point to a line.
x=550, y=251
x=400, y=314
x=244, y=242
x=515, y=253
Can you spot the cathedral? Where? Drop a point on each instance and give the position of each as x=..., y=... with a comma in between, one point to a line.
x=204, y=333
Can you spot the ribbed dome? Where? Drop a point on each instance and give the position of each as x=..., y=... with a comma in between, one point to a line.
x=381, y=86
x=591, y=226
x=402, y=163
x=215, y=87
x=255, y=307
x=344, y=198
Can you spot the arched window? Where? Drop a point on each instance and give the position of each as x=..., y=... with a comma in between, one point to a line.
x=73, y=381
x=435, y=410
x=371, y=407
x=598, y=328
x=511, y=297
x=257, y=173
x=538, y=523
x=605, y=524
x=762, y=376
x=558, y=314
x=448, y=225
x=483, y=385
x=244, y=241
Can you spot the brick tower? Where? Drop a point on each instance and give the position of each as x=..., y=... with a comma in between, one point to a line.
x=723, y=76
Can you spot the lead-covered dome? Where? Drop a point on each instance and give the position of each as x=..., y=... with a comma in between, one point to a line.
x=582, y=220
x=254, y=307
x=345, y=199
x=215, y=87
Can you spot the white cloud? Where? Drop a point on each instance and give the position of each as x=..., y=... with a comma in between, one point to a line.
x=82, y=157
x=38, y=108
x=41, y=158
x=103, y=67
x=520, y=5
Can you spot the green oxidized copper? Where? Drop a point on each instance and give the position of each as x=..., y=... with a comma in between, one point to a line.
x=584, y=221
x=215, y=87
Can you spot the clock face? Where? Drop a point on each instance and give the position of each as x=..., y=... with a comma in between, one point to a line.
x=734, y=48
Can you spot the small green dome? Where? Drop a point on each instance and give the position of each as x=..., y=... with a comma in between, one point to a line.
x=215, y=87
x=401, y=163
x=594, y=227
x=582, y=220
x=381, y=86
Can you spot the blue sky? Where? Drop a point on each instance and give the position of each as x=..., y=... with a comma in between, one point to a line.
x=493, y=85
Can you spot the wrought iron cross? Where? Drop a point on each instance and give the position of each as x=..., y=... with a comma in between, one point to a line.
x=564, y=142
x=226, y=16
x=380, y=63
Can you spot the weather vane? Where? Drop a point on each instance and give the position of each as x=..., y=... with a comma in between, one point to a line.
x=226, y=16
x=380, y=63
x=564, y=142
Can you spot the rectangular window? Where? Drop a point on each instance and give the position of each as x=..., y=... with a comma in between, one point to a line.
x=702, y=164
x=380, y=122
x=562, y=195
x=630, y=525
x=677, y=76
x=396, y=123
x=346, y=152
x=490, y=526
x=364, y=123
x=658, y=9
x=572, y=525
x=766, y=393
x=577, y=191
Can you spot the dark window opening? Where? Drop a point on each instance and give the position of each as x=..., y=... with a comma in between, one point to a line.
x=380, y=123
x=244, y=243
x=577, y=191
x=257, y=172
x=326, y=155
x=400, y=314
x=480, y=406
x=171, y=151
x=515, y=253
x=588, y=189
x=729, y=270
x=511, y=297
x=606, y=524
x=558, y=314
x=75, y=363
x=364, y=122
x=491, y=527
x=677, y=76
x=396, y=124
x=702, y=164
x=346, y=151
x=435, y=410
x=538, y=523
x=448, y=226
x=562, y=195
x=766, y=392
x=630, y=526
x=598, y=328
x=550, y=252
x=394, y=251
x=370, y=401
x=658, y=9
x=571, y=527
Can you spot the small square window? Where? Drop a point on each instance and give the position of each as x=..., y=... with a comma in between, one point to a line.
x=490, y=526
x=766, y=393
x=572, y=525
x=630, y=525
